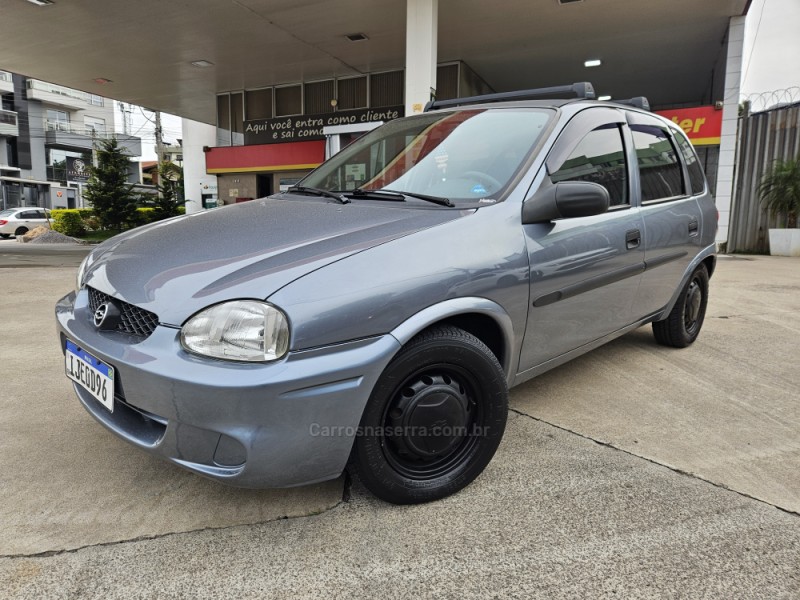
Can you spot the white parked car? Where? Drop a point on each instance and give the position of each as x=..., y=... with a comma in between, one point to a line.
x=18, y=221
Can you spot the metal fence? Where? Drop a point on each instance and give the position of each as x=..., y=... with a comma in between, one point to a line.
x=763, y=138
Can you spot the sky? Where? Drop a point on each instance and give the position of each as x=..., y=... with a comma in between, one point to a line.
x=142, y=122
x=771, y=62
x=771, y=59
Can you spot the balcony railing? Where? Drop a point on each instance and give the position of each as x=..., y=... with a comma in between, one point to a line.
x=8, y=123
x=59, y=90
x=8, y=117
x=66, y=127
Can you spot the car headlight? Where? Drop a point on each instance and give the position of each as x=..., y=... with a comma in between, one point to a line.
x=81, y=273
x=246, y=330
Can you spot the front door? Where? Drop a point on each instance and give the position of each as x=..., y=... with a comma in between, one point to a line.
x=585, y=272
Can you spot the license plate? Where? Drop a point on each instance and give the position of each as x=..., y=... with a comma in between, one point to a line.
x=93, y=375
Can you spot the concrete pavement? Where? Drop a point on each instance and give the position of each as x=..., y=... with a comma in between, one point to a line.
x=610, y=482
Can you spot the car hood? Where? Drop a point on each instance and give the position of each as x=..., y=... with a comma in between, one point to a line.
x=179, y=266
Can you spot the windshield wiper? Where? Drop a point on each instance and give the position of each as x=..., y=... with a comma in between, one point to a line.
x=301, y=189
x=377, y=194
x=398, y=196
x=440, y=200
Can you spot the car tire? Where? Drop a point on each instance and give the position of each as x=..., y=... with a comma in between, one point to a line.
x=445, y=381
x=5, y=236
x=21, y=231
x=682, y=326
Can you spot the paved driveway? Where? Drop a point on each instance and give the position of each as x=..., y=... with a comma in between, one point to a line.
x=635, y=471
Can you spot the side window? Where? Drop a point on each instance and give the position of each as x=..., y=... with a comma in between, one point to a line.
x=599, y=158
x=40, y=214
x=28, y=214
x=697, y=179
x=659, y=169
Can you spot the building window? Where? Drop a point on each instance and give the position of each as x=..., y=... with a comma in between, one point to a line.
x=96, y=100
x=57, y=120
x=94, y=126
x=351, y=93
x=386, y=89
x=237, y=113
x=447, y=82
x=317, y=97
x=258, y=104
x=224, y=112
x=288, y=100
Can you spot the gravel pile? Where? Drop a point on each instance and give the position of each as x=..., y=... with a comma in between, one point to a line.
x=53, y=237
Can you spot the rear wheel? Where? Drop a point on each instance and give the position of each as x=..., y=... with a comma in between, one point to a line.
x=684, y=322
x=434, y=420
x=21, y=231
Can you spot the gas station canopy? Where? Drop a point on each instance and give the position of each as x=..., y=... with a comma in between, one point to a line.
x=147, y=52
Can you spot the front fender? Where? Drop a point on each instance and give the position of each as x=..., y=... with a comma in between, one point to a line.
x=464, y=306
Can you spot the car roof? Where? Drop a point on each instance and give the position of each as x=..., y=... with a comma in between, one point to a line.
x=573, y=105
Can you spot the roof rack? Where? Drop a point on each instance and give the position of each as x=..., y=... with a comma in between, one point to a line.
x=578, y=90
x=637, y=102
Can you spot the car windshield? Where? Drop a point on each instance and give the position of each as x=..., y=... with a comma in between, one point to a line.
x=466, y=155
x=8, y=212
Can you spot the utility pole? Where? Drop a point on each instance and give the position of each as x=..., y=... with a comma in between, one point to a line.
x=159, y=138
x=125, y=124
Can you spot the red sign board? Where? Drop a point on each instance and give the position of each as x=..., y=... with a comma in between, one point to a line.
x=702, y=125
x=292, y=156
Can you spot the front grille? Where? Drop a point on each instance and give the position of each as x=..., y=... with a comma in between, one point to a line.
x=134, y=320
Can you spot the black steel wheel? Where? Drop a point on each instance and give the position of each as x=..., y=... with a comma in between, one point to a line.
x=21, y=231
x=434, y=420
x=684, y=322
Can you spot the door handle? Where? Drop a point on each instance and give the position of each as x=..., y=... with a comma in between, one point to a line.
x=694, y=228
x=632, y=239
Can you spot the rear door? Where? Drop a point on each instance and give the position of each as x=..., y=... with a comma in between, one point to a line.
x=671, y=213
x=585, y=272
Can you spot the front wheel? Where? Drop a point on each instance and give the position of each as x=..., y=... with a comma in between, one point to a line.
x=684, y=322
x=434, y=419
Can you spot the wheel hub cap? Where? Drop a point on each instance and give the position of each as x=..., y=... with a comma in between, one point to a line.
x=693, y=301
x=429, y=418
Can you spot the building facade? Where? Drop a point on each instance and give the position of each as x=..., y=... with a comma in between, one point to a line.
x=47, y=135
x=267, y=139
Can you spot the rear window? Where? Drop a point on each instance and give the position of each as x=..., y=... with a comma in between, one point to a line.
x=660, y=171
x=697, y=179
x=8, y=212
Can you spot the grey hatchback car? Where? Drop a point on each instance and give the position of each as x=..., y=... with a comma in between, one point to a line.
x=374, y=316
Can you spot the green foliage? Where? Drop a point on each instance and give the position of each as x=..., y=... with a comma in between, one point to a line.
x=779, y=190
x=68, y=221
x=143, y=216
x=108, y=190
x=170, y=191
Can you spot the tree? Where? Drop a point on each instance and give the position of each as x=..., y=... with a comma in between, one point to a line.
x=108, y=190
x=779, y=190
x=170, y=190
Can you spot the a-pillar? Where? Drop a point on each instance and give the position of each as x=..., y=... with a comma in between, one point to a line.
x=421, y=36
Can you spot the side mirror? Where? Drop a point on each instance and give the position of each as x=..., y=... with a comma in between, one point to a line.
x=565, y=200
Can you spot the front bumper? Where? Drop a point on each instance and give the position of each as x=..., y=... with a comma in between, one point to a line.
x=287, y=423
